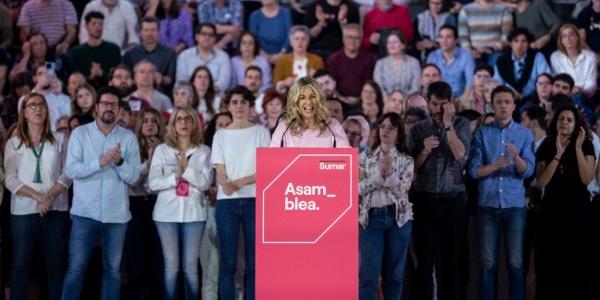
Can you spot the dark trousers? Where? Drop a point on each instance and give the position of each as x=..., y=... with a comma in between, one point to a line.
x=440, y=231
x=143, y=255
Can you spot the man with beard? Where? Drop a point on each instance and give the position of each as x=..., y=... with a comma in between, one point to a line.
x=102, y=160
x=121, y=77
x=439, y=145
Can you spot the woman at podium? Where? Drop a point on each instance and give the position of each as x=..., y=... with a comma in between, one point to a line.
x=306, y=121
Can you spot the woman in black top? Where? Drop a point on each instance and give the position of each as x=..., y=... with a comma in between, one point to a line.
x=566, y=164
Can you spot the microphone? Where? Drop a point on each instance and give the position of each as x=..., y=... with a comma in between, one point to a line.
x=283, y=135
x=332, y=134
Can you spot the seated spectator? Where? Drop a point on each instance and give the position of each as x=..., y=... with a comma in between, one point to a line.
x=227, y=16
x=35, y=52
x=205, y=53
x=95, y=57
x=383, y=17
x=121, y=77
x=429, y=23
x=56, y=19
x=573, y=59
x=413, y=115
x=539, y=19
x=564, y=84
x=297, y=64
x=84, y=101
x=473, y=116
x=144, y=81
x=357, y=130
x=47, y=85
x=6, y=28
x=519, y=68
x=20, y=85
x=397, y=70
x=325, y=18
x=75, y=79
x=478, y=97
x=335, y=109
x=327, y=83
x=541, y=96
x=272, y=107
x=589, y=26
x=396, y=102
x=456, y=64
x=253, y=80
x=124, y=118
x=371, y=99
x=483, y=27
x=249, y=55
x=534, y=118
x=271, y=25
x=183, y=96
x=418, y=101
x=430, y=73
x=163, y=58
x=176, y=24
x=120, y=21
x=351, y=66
x=204, y=93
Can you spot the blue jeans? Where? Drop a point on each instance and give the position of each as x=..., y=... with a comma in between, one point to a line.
x=187, y=237
x=84, y=233
x=383, y=250
x=490, y=219
x=27, y=231
x=229, y=215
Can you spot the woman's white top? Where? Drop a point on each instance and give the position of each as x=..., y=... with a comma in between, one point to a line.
x=180, y=209
x=20, y=165
x=236, y=149
x=584, y=71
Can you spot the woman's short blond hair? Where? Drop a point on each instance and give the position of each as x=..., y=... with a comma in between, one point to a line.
x=292, y=110
x=171, y=137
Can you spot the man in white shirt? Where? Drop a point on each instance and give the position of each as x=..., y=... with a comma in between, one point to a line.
x=205, y=54
x=120, y=21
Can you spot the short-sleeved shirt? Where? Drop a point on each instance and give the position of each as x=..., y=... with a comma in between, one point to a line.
x=236, y=149
x=441, y=173
x=163, y=58
x=49, y=18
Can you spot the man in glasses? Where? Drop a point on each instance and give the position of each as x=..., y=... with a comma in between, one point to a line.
x=102, y=160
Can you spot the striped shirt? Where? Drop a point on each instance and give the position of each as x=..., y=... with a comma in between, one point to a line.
x=49, y=17
x=484, y=26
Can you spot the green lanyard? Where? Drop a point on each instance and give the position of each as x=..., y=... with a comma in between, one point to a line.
x=37, y=178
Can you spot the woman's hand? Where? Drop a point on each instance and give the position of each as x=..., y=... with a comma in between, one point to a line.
x=580, y=138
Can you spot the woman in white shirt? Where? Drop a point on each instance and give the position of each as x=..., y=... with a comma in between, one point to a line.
x=572, y=58
x=180, y=172
x=34, y=161
x=234, y=157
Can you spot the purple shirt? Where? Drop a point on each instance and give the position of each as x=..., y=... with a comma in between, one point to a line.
x=49, y=18
x=178, y=30
x=351, y=74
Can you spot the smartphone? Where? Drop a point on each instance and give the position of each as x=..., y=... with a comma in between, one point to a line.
x=51, y=67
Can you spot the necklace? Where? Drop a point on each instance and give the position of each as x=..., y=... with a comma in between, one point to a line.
x=37, y=177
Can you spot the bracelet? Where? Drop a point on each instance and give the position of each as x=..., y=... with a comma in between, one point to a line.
x=557, y=159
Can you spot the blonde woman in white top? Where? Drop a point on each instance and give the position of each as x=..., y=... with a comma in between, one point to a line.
x=34, y=161
x=573, y=58
x=180, y=172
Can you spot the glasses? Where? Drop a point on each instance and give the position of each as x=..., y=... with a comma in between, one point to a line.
x=351, y=134
x=182, y=120
x=388, y=128
x=36, y=106
x=107, y=104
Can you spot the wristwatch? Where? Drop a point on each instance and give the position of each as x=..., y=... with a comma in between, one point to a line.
x=449, y=128
x=120, y=162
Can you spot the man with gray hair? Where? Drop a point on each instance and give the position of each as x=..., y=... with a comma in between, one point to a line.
x=144, y=73
x=351, y=66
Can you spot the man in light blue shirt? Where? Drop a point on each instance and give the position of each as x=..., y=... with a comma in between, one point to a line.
x=457, y=64
x=501, y=159
x=102, y=160
x=520, y=68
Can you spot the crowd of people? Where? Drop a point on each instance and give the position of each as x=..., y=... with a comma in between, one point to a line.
x=129, y=130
